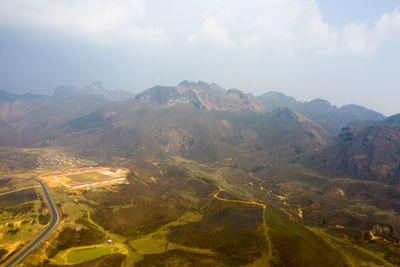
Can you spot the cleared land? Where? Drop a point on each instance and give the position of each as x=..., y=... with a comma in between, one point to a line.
x=87, y=254
x=87, y=177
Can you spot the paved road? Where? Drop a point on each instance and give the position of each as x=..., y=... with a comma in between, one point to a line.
x=46, y=232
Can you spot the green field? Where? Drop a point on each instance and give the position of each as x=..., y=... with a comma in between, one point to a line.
x=87, y=177
x=87, y=254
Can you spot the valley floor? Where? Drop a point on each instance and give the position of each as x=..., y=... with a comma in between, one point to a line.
x=179, y=212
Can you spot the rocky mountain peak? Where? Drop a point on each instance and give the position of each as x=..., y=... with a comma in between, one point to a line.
x=202, y=95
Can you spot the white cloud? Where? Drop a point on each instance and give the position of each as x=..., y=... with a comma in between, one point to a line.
x=388, y=22
x=100, y=21
x=287, y=26
x=357, y=38
x=216, y=33
x=277, y=24
x=362, y=39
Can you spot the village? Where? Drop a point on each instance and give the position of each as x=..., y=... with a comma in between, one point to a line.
x=59, y=169
x=55, y=160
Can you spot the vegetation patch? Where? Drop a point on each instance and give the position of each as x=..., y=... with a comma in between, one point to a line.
x=294, y=245
x=3, y=252
x=233, y=230
x=69, y=238
x=156, y=242
x=87, y=254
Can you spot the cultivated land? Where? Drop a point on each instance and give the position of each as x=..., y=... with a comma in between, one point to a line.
x=183, y=213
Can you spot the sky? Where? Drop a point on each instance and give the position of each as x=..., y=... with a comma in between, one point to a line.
x=344, y=51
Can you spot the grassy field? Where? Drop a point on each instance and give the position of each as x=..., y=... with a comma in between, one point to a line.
x=87, y=177
x=156, y=242
x=86, y=254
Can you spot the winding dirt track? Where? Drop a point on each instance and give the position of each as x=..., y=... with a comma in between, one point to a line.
x=269, y=255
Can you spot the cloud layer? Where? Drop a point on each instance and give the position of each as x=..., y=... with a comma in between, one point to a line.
x=100, y=21
x=289, y=26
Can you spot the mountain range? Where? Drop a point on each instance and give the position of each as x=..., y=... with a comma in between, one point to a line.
x=205, y=122
x=217, y=177
x=320, y=110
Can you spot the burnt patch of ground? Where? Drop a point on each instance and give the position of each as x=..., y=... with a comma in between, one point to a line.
x=105, y=261
x=179, y=258
x=143, y=205
x=233, y=230
x=144, y=217
x=294, y=245
x=17, y=198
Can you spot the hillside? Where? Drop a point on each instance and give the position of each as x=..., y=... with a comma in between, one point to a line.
x=369, y=153
x=320, y=110
x=196, y=120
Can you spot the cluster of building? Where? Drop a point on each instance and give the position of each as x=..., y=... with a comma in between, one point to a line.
x=99, y=182
x=53, y=160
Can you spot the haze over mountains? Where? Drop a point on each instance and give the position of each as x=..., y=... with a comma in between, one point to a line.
x=194, y=119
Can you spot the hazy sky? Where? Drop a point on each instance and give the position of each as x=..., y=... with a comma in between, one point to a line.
x=346, y=51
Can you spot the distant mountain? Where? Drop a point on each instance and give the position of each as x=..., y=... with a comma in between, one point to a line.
x=8, y=97
x=138, y=130
x=196, y=120
x=369, y=153
x=203, y=96
x=93, y=89
x=320, y=110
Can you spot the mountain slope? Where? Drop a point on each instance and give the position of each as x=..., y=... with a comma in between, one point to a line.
x=370, y=153
x=320, y=110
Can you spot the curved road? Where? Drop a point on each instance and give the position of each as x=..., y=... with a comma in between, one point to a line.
x=46, y=232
